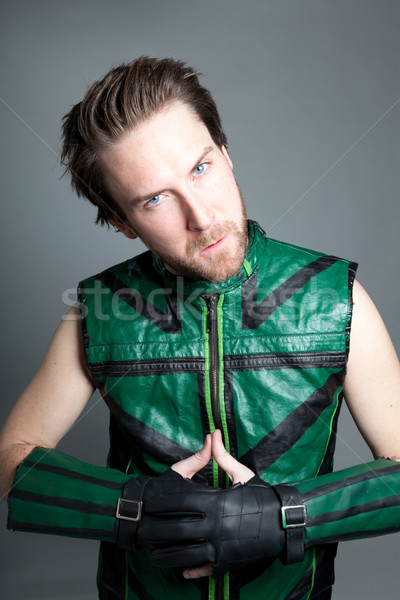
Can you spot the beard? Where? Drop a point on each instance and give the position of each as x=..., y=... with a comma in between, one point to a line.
x=220, y=266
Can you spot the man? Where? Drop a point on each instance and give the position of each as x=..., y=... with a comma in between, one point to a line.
x=217, y=336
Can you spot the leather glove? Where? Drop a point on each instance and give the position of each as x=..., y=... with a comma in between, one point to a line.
x=139, y=492
x=130, y=513
x=189, y=524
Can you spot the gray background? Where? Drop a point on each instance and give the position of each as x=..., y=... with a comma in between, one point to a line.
x=309, y=93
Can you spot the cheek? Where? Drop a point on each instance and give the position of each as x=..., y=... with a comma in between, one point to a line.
x=163, y=231
x=227, y=179
x=218, y=189
x=229, y=195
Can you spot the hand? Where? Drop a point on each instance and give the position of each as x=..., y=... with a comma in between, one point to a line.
x=237, y=473
x=190, y=466
x=213, y=446
x=189, y=524
x=210, y=511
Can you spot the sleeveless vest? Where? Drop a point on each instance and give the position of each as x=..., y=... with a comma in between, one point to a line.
x=261, y=356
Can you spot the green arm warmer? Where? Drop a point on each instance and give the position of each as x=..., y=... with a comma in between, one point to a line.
x=362, y=501
x=58, y=494
x=359, y=502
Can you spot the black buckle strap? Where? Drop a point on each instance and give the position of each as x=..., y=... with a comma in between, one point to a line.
x=294, y=520
x=294, y=516
x=129, y=510
x=128, y=513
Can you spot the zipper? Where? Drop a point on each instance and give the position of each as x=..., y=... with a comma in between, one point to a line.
x=213, y=343
x=212, y=330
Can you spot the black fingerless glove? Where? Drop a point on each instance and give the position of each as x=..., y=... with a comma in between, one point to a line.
x=189, y=524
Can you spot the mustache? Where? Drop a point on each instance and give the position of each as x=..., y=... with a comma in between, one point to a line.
x=207, y=239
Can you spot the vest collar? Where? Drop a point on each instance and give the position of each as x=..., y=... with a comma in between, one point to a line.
x=189, y=287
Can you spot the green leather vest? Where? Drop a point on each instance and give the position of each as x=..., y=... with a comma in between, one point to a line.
x=261, y=356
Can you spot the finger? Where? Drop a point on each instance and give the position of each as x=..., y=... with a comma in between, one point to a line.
x=190, y=466
x=183, y=555
x=237, y=472
x=169, y=529
x=197, y=572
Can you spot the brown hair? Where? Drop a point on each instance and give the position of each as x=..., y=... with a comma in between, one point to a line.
x=127, y=95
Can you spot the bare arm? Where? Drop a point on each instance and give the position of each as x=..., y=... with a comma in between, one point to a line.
x=50, y=404
x=372, y=385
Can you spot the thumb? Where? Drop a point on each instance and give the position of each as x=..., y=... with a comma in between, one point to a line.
x=188, y=467
x=237, y=472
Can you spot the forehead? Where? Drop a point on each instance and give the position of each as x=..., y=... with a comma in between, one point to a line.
x=169, y=130
x=162, y=145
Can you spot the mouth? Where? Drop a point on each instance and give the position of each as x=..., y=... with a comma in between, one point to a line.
x=215, y=246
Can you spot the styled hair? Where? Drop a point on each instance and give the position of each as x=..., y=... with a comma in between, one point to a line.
x=126, y=96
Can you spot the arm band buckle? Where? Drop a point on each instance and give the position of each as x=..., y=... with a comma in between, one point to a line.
x=294, y=520
x=125, y=510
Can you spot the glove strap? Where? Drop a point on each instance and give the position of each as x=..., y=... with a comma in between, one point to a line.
x=129, y=512
x=294, y=520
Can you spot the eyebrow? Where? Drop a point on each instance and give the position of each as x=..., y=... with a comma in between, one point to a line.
x=139, y=199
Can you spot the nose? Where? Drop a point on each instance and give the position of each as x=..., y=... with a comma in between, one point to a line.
x=199, y=215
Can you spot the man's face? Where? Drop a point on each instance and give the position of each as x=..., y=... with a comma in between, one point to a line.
x=178, y=193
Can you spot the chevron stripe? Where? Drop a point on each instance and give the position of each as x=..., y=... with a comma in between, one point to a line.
x=150, y=441
x=292, y=428
x=138, y=588
x=169, y=322
x=255, y=313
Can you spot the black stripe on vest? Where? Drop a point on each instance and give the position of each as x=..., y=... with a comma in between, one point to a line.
x=292, y=428
x=255, y=313
x=138, y=587
x=283, y=360
x=169, y=322
x=239, y=578
x=135, y=368
x=150, y=441
x=304, y=586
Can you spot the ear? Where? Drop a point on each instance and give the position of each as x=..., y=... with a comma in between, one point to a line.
x=228, y=158
x=123, y=226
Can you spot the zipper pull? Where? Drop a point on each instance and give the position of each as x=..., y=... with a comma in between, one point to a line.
x=210, y=301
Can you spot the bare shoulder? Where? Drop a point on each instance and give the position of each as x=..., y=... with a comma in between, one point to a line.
x=372, y=384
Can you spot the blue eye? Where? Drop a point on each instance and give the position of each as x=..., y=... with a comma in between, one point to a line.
x=154, y=200
x=200, y=169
